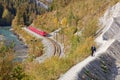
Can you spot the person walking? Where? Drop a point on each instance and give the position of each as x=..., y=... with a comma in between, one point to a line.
x=93, y=50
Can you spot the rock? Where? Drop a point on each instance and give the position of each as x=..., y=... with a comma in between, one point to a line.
x=2, y=38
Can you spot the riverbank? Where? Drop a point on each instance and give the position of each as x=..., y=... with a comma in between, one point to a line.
x=19, y=37
x=30, y=41
x=20, y=50
x=1, y=37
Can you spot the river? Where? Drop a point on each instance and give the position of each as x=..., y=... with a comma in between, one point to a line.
x=20, y=48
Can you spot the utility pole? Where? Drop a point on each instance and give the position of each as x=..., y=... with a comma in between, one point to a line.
x=33, y=45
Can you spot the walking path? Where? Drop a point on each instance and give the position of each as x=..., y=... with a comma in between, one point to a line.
x=72, y=74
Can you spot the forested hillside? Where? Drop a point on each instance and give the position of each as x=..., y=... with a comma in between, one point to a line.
x=25, y=10
x=72, y=16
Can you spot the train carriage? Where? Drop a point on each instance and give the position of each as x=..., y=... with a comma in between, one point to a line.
x=42, y=33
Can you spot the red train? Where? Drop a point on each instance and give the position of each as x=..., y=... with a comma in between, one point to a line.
x=42, y=33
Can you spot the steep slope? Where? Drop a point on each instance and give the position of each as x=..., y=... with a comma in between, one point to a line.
x=41, y=4
x=105, y=65
x=74, y=17
x=25, y=10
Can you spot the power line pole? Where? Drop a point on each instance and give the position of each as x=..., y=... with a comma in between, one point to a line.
x=33, y=45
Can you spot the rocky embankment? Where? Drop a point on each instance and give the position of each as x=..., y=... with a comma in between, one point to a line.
x=41, y=4
x=1, y=37
x=105, y=65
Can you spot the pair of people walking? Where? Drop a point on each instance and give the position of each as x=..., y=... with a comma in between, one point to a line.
x=93, y=50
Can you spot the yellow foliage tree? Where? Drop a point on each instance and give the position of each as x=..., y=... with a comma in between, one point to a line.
x=56, y=22
x=64, y=22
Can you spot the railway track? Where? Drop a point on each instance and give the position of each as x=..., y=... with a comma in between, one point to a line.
x=57, y=48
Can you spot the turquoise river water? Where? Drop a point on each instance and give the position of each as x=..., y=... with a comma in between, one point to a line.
x=20, y=48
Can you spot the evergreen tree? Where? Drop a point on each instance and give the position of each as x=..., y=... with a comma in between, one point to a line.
x=24, y=10
x=7, y=16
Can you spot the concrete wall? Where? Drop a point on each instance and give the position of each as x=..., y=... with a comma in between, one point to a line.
x=104, y=66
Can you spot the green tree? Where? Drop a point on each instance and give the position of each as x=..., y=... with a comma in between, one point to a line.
x=6, y=64
x=18, y=73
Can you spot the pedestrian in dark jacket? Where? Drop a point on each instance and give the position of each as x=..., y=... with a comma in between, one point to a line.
x=93, y=49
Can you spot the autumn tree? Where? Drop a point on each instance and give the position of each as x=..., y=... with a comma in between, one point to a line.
x=7, y=16
x=6, y=64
